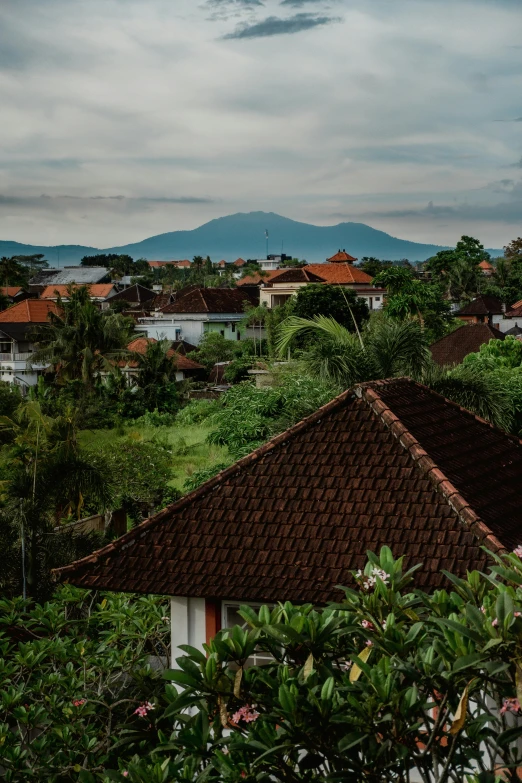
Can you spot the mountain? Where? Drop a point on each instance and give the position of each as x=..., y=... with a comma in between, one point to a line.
x=243, y=235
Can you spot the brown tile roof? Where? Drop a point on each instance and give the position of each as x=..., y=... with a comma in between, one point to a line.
x=211, y=300
x=452, y=348
x=390, y=462
x=516, y=305
x=302, y=275
x=482, y=305
x=135, y=293
x=34, y=311
x=181, y=264
x=257, y=279
x=96, y=290
x=486, y=266
x=514, y=312
x=341, y=256
x=339, y=273
x=10, y=290
x=239, y=262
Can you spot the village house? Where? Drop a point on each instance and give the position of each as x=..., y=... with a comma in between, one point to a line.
x=487, y=269
x=16, y=347
x=453, y=348
x=276, y=287
x=199, y=311
x=77, y=275
x=135, y=296
x=386, y=463
x=185, y=368
x=482, y=310
x=13, y=293
x=511, y=320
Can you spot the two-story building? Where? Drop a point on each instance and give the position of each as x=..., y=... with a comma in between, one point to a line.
x=199, y=311
x=16, y=348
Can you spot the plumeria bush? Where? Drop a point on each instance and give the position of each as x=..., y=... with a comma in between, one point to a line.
x=388, y=685
x=75, y=674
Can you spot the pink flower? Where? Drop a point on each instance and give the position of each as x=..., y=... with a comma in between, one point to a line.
x=143, y=709
x=494, y=622
x=369, y=643
x=518, y=614
x=483, y=610
x=125, y=773
x=79, y=702
x=368, y=625
x=247, y=714
x=345, y=666
x=510, y=705
x=518, y=551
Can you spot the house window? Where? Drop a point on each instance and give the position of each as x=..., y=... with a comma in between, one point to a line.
x=231, y=617
x=233, y=327
x=222, y=332
x=377, y=298
x=6, y=347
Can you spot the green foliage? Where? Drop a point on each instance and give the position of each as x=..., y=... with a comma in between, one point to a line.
x=10, y=398
x=372, y=266
x=238, y=369
x=18, y=270
x=72, y=673
x=196, y=411
x=333, y=302
x=247, y=416
x=506, y=353
x=410, y=297
x=458, y=270
x=213, y=348
x=119, y=265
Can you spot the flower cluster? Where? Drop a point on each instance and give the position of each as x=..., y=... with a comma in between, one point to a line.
x=345, y=666
x=371, y=580
x=510, y=705
x=368, y=625
x=143, y=709
x=79, y=702
x=246, y=714
x=518, y=551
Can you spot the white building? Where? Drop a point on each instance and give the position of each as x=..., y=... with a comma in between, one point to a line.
x=16, y=348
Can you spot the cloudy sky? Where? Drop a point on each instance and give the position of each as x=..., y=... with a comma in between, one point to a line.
x=121, y=119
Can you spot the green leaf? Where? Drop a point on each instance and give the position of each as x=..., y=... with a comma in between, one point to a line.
x=181, y=677
x=503, y=607
x=352, y=739
x=327, y=689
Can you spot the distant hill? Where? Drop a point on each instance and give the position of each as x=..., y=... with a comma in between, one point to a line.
x=243, y=235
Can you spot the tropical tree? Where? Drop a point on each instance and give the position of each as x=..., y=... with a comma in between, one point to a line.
x=156, y=376
x=79, y=340
x=388, y=348
x=333, y=301
x=459, y=268
x=47, y=478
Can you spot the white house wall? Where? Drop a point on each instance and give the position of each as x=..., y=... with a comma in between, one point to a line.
x=187, y=624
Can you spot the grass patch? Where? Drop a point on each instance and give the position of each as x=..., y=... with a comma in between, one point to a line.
x=190, y=450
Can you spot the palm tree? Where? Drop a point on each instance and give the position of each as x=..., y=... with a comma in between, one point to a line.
x=80, y=341
x=387, y=348
x=10, y=270
x=157, y=372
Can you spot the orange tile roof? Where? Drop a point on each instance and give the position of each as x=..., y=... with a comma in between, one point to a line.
x=156, y=264
x=239, y=262
x=341, y=256
x=29, y=311
x=516, y=305
x=97, y=290
x=10, y=290
x=339, y=273
x=487, y=265
x=140, y=345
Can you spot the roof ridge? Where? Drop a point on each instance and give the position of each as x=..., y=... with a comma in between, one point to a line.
x=426, y=464
x=127, y=539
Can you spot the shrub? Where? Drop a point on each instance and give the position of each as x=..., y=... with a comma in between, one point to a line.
x=195, y=412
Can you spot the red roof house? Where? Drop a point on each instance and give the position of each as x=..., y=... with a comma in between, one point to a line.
x=386, y=463
x=29, y=311
x=453, y=348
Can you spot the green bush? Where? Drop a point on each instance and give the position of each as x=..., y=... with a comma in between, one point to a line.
x=195, y=412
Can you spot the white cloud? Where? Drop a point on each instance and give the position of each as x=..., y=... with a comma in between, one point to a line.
x=392, y=107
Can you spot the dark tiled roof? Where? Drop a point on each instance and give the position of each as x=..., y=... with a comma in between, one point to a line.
x=389, y=463
x=211, y=300
x=454, y=347
x=482, y=305
x=514, y=331
x=514, y=312
x=136, y=294
x=296, y=276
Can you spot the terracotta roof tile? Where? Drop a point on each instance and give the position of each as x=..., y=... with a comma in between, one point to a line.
x=486, y=266
x=257, y=278
x=140, y=345
x=96, y=290
x=136, y=293
x=340, y=257
x=10, y=290
x=454, y=347
x=339, y=273
x=33, y=311
x=388, y=463
x=302, y=275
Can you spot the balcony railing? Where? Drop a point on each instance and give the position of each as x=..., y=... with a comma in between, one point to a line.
x=15, y=357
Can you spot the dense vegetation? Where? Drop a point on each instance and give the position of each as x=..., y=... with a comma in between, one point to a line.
x=386, y=682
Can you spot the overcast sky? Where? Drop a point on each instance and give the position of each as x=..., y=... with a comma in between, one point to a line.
x=121, y=119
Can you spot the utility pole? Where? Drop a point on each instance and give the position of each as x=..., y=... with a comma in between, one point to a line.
x=266, y=237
